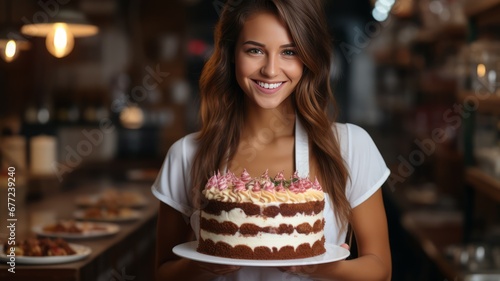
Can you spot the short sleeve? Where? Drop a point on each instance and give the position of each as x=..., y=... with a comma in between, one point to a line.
x=173, y=183
x=367, y=168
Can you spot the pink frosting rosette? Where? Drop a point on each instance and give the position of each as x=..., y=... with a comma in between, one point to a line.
x=222, y=184
x=279, y=177
x=264, y=182
x=245, y=176
x=316, y=185
x=269, y=186
x=305, y=183
x=265, y=175
x=212, y=182
x=280, y=187
x=239, y=185
x=256, y=186
x=297, y=187
x=231, y=177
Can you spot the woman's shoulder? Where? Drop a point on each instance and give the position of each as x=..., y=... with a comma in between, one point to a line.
x=355, y=142
x=348, y=133
x=187, y=140
x=184, y=147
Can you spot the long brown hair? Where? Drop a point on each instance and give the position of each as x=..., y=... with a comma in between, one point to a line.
x=222, y=100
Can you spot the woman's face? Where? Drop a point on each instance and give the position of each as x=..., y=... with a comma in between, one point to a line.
x=267, y=65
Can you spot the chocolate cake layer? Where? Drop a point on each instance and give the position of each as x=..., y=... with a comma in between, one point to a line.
x=222, y=249
x=285, y=209
x=230, y=228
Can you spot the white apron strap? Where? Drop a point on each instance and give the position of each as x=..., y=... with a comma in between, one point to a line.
x=301, y=149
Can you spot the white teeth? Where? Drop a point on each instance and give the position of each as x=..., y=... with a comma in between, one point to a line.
x=269, y=86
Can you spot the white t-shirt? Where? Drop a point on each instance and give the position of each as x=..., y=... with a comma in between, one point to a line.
x=366, y=167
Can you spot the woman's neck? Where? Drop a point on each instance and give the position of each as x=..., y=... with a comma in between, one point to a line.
x=276, y=123
x=266, y=141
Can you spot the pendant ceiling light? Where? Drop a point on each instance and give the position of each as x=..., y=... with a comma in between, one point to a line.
x=61, y=30
x=11, y=42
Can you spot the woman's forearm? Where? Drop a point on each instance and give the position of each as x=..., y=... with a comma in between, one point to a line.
x=181, y=269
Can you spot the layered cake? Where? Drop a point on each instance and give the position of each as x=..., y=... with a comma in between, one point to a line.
x=262, y=218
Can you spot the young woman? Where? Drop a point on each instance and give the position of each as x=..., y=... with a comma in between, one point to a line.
x=265, y=95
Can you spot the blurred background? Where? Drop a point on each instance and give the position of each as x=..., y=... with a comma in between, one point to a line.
x=94, y=92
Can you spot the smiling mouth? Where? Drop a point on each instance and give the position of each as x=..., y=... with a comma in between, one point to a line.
x=269, y=86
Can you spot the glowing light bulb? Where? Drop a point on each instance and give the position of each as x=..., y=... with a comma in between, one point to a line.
x=60, y=40
x=132, y=117
x=481, y=70
x=10, y=51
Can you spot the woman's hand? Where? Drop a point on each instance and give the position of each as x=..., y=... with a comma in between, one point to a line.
x=217, y=269
x=304, y=270
x=345, y=246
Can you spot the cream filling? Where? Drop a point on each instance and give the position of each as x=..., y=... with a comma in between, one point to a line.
x=263, y=197
x=264, y=239
x=238, y=217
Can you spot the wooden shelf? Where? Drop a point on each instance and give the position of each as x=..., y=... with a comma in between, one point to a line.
x=434, y=83
x=490, y=104
x=475, y=8
x=445, y=33
x=484, y=12
x=483, y=182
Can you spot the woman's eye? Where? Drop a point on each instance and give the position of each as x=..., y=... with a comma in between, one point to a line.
x=289, y=53
x=254, y=51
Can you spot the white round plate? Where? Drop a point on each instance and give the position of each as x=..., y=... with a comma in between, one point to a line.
x=81, y=252
x=105, y=229
x=188, y=250
x=131, y=216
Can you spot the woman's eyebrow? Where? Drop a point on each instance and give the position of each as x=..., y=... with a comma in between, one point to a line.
x=250, y=42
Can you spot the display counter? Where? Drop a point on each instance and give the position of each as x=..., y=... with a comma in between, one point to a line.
x=127, y=254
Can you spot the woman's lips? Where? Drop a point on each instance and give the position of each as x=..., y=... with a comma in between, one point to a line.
x=261, y=86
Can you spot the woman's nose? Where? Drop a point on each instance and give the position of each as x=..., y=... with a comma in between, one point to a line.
x=271, y=66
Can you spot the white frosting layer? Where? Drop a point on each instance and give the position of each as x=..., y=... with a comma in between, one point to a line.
x=264, y=239
x=263, y=196
x=238, y=217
